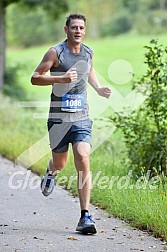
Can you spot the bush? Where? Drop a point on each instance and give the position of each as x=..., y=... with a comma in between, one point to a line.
x=12, y=86
x=151, y=23
x=145, y=129
x=36, y=26
x=117, y=25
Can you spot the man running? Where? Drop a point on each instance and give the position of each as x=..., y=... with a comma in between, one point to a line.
x=70, y=65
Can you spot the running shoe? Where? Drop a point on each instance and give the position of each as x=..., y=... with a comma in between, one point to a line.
x=86, y=225
x=47, y=184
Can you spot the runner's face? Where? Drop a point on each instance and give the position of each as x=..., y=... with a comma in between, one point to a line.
x=75, y=31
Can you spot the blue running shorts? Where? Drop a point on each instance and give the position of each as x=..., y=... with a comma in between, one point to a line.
x=61, y=134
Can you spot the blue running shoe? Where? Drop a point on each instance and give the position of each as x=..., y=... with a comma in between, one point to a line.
x=47, y=184
x=86, y=225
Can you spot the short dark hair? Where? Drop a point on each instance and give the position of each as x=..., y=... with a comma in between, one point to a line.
x=75, y=16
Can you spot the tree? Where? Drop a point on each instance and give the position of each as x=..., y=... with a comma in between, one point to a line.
x=54, y=7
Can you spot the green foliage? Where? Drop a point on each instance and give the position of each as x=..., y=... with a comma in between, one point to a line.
x=145, y=129
x=35, y=21
x=152, y=22
x=53, y=7
x=8, y=2
x=155, y=4
x=131, y=5
x=13, y=86
x=117, y=25
x=41, y=30
x=104, y=18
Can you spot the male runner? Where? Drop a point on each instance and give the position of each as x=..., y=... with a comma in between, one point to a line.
x=70, y=65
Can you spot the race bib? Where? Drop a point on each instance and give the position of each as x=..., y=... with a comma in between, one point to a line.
x=72, y=102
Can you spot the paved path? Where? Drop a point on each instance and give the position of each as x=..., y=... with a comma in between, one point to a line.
x=29, y=222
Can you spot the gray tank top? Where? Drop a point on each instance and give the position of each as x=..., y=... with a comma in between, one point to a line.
x=82, y=62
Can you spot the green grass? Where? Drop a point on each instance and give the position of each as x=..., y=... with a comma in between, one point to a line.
x=143, y=208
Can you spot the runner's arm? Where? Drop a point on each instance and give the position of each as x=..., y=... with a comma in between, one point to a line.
x=50, y=59
x=93, y=81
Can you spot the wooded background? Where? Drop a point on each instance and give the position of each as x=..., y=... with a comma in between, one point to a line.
x=32, y=22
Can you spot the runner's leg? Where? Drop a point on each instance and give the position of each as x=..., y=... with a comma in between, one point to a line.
x=58, y=161
x=81, y=152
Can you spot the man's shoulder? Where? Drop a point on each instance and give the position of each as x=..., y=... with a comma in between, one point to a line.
x=59, y=48
x=88, y=49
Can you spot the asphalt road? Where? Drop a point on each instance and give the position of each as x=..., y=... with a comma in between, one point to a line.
x=29, y=222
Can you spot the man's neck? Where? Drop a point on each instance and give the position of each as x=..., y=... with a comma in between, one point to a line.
x=75, y=48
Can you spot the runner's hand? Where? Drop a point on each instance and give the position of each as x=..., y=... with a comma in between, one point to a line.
x=70, y=75
x=104, y=91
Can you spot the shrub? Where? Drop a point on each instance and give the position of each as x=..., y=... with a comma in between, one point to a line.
x=36, y=27
x=117, y=25
x=12, y=86
x=145, y=129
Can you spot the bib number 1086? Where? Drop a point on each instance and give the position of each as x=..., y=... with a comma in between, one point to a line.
x=71, y=102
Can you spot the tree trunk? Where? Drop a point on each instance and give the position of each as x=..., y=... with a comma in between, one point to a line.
x=2, y=43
